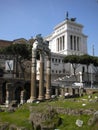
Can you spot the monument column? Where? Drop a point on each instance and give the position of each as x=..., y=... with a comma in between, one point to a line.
x=33, y=76
x=41, y=81
x=48, y=77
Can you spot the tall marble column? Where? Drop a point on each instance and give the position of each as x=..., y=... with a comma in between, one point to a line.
x=48, y=78
x=33, y=76
x=41, y=81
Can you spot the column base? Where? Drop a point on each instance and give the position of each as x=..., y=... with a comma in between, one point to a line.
x=22, y=101
x=41, y=98
x=31, y=100
x=7, y=103
x=47, y=96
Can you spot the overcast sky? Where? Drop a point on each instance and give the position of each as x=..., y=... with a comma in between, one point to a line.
x=27, y=18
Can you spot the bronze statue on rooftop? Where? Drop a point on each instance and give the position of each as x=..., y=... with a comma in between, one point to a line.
x=71, y=19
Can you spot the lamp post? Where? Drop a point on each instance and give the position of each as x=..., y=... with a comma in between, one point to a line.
x=91, y=76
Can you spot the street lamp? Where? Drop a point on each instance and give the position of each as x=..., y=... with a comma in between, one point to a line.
x=91, y=75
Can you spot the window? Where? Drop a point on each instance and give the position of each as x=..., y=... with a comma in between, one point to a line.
x=71, y=46
x=62, y=61
x=74, y=42
x=63, y=70
x=63, y=42
x=77, y=43
x=83, y=69
x=59, y=60
x=59, y=71
x=60, y=43
x=52, y=59
x=55, y=60
x=52, y=71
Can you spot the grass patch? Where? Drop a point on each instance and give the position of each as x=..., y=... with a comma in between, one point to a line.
x=21, y=116
x=69, y=122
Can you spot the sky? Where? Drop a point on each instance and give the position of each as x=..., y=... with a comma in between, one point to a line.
x=27, y=18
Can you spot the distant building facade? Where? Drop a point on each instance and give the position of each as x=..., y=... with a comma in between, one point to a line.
x=66, y=39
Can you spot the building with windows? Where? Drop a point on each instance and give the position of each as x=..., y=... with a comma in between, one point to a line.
x=66, y=39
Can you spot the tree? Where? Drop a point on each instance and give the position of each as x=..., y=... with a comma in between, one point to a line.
x=95, y=64
x=21, y=52
x=83, y=59
x=86, y=60
x=74, y=60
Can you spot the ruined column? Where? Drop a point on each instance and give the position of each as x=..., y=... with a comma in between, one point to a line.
x=56, y=92
x=80, y=92
x=33, y=76
x=41, y=81
x=22, y=97
x=77, y=91
x=81, y=77
x=48, y=78
x=8, y=88
x=62, y=92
